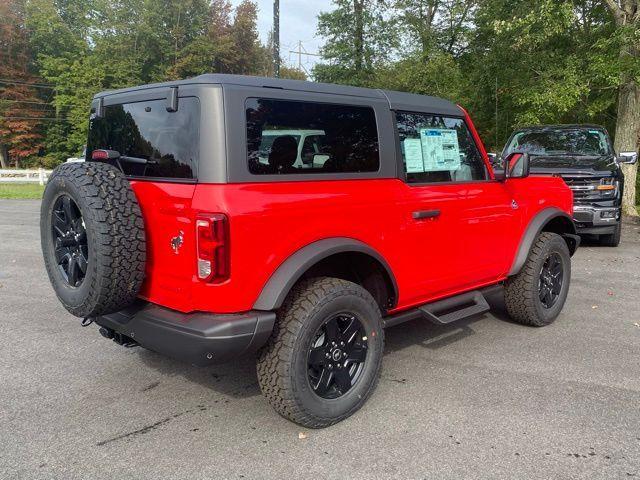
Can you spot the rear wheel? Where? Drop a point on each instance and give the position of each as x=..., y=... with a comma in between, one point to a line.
x=323, y=359
x=612, y=239
x=536, y=295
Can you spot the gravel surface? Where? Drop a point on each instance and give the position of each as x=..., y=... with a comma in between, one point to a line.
x=484, y=398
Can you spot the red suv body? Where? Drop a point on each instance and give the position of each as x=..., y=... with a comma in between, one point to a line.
x=250, y=187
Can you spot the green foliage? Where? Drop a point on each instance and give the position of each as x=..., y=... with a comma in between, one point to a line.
x=360, y=39
x=83, y=47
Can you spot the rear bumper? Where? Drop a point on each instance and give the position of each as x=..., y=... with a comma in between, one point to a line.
x=196, y=338
x=596, y=220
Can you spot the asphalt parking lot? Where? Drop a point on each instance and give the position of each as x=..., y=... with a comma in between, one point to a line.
x=484, y=398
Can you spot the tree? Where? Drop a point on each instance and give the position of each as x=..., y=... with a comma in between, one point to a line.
x=20, y=104
x=626, y=14
x=250, y=56
x=360, y=39
x=548, y=61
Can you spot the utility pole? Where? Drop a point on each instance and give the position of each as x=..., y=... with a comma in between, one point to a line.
x=276, y=38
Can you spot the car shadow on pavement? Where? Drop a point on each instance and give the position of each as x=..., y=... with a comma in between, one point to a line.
x=432, y=336
x=236, y=379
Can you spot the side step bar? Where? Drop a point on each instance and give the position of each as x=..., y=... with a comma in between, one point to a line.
x=448, y=310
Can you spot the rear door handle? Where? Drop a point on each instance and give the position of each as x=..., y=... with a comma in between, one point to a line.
x=423, y=214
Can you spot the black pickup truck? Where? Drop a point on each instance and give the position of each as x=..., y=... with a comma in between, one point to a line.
x=584, y=157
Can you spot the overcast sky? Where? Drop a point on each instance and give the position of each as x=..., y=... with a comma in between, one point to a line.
x=298, y=22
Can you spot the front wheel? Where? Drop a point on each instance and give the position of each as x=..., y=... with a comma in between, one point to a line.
x=323, y=358
x=536, y=295
x=612, y=239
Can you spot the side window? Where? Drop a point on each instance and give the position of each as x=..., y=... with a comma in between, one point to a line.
x=291, y=137
x=438, y=149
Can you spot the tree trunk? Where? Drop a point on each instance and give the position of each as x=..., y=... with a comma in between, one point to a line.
x=625, y=13
x=4, y=156
x=627, y=133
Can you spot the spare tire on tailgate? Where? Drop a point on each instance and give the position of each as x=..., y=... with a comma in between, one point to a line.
x=93, y=238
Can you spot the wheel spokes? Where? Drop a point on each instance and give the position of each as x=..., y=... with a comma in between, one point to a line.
x=62, y=254
x=349, y=333
x=82, y=263
x=343, y=380
x=357, y=354
x=68, y=210
x=324, y=382
x=69, y=240
x=59, y=223
x=317, y=356
x=336, y=356
x=331, y=330
x=72, y=271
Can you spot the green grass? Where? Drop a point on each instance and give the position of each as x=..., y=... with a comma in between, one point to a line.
x=21, y=190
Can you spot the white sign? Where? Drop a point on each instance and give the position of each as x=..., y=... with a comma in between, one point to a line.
x=440, y=149
x=413, y=155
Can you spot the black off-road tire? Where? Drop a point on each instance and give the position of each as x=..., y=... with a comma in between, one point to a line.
x=282, y=363
x=612, y=239
x=115, y=238
x=521, y=292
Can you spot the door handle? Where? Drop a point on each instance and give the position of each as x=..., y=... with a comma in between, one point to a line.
x=424, y=214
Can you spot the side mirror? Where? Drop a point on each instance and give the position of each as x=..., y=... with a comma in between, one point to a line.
x=627, y=157
x=517, y=165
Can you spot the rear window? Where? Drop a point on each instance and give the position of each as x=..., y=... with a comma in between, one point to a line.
x=168, y=141
x=290, y=137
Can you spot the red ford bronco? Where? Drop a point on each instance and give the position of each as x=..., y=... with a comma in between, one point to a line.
x=224, y=215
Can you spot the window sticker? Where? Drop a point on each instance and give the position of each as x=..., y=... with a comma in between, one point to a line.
x=413, y=155
x=440, y=149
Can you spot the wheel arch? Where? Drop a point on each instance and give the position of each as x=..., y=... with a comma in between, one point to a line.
x=342, y=257
x=548, y=220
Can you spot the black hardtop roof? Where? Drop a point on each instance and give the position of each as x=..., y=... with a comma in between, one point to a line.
x=397, y=100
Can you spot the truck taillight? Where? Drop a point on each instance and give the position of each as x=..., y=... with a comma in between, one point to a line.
x=212, y=236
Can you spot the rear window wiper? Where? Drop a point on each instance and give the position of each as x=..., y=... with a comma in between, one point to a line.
x=141, y=161
x=114, y=155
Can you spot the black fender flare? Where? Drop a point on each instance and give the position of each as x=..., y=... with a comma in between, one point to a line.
x=289, y=272
x=535, y=227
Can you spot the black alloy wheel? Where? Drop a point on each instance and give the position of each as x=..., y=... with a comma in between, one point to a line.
x=337, y=356
x=550, y=280
x=69, y=240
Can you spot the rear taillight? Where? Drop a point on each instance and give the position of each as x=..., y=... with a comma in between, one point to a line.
x=212, y=234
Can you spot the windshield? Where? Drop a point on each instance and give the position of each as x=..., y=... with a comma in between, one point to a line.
x=579, y=141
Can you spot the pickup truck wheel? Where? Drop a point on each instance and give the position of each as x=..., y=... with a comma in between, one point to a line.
x=323, y=358
x=612, y=239
x=536, y=295
x=93, y=239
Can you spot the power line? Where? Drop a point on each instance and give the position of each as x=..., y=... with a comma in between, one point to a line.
x=35, y=118
x=24, y=101
x=18, y=82
x=302, y=51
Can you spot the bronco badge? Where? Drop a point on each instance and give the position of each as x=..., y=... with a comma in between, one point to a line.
x=176, y=242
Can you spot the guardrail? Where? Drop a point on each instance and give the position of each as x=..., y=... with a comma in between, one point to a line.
x=39, y=175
